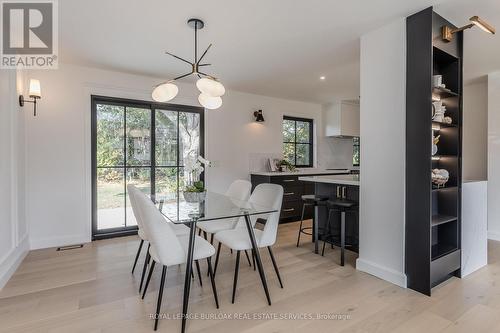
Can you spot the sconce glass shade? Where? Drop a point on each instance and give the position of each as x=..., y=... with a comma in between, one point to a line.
x=209, y=102
x=165, y=92
x=210, y=87
x=35, y=90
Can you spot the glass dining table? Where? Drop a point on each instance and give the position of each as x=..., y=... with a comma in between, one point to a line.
x=214, y=207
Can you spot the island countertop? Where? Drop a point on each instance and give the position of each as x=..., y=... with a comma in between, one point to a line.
x=301, y=172
x=333, y=179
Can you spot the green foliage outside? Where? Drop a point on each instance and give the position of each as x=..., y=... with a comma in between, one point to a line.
x=296, y=142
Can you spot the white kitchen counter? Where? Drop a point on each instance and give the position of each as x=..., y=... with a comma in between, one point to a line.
x=302, y=172
x=333, y=179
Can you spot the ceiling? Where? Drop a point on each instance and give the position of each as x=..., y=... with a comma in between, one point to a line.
x=276, y=48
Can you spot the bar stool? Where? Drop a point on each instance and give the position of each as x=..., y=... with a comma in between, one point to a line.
x=344, y=206
x=309, y=200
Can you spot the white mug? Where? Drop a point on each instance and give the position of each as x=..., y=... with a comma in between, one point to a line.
x=437, y=80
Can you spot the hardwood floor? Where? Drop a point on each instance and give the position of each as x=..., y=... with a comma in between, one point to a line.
x=91, y=290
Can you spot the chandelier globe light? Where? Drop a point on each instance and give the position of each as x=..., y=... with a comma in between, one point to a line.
x=210, y=87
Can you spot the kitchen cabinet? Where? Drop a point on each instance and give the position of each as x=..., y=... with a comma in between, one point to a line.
x=342, y=119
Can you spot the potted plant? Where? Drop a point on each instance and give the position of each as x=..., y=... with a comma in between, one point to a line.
x=284, y=164
x=195, y=189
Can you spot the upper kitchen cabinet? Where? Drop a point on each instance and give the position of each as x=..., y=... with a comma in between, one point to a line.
x=342, y=119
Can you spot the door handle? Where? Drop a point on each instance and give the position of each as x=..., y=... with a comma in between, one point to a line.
x=344, y=192
x=289, y=193
x=289, y=210
x=338, y=192
x=288, y=180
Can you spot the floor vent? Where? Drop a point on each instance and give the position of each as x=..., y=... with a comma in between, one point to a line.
x=69, y=247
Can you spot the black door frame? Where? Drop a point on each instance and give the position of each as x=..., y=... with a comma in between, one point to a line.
x=97, y=99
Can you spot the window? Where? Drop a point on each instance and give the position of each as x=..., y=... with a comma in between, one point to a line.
x=298, y=141
x=355, y=151
x=140, y=143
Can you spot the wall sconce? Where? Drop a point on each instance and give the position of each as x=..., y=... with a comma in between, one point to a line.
x=258, y=116
x=34, y=92
x=447, y=32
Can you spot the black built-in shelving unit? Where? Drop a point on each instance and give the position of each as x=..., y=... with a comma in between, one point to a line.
x=433, y=215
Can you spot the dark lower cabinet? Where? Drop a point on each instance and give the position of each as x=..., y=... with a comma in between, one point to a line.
x=293, y=189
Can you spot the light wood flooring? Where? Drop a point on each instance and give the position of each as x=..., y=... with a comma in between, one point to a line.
x=92, y=290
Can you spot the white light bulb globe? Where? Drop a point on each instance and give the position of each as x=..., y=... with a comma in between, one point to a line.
x=210, y=87
x=165, y=92
x=209, y=102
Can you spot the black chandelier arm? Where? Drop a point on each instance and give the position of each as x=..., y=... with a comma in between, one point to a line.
x=201, y=65
x=208, y=75
x=203, y=55
x=182, y=59
x=184, y=75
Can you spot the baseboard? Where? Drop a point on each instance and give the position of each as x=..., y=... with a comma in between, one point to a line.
x=45, y=243
x=12, y=261
x=494, y=235
x=384, y=273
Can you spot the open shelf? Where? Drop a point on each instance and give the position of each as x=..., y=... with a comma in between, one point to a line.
x=439, y=250
x=443, y=93
x=442, y=125
x=439, y=219
x=435, y=189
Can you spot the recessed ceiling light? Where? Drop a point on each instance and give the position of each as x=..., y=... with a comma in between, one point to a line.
x=322, y=77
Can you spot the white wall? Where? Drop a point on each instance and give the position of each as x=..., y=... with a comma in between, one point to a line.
x=494, y=156
x=475, y=140
x=14, y=242
x=382, y=182
x=58, y=143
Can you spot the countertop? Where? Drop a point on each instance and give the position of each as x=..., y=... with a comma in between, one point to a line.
x=302, y=172
x=333, y=179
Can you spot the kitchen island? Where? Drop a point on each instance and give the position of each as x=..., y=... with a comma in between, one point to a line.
x=335, y=187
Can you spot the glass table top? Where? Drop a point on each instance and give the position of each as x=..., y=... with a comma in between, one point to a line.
x=214, y=207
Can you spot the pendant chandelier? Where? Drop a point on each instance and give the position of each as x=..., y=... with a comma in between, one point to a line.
x=209, y=86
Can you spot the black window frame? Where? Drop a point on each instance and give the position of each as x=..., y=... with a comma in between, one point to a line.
x=356, y=142
x=295, y=143
x=152, y=106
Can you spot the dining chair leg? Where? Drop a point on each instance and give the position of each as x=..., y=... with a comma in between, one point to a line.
x=148, y=279
x=301, y=221
x=146, y=262
x=137, y=255
x=205, y=235
x=248, y=259
x=212, y=239
x=217, y=258
x=275, y=265
x=214, y=289
x=257, y=257
x=231, y=251
x=199, y=273
x=199, y=232
x=160, y=295
x=236, y=268
x=253, y=260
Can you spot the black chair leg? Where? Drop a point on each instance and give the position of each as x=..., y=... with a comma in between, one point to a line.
x=253, y=260
x=146, y=262
x=214, y=289
x=160, y=295
x=248, y=259
x=236, y=268
x=231, y=251
x=205, y=235
x=148, y=279
x=212, y=239
x=199, y=232
x=217, y=258
x=275, y=265
x=199, y=273
x=301, y=221
x=342, y=238
x=328, y=231
x=137, y=255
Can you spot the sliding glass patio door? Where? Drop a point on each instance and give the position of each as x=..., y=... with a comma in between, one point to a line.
x=138, y=143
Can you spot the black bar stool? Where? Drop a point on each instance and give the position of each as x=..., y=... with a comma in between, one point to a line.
x=344, y=206
x=309, y=200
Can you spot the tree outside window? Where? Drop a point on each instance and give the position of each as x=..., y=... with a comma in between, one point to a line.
x=298, y=141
